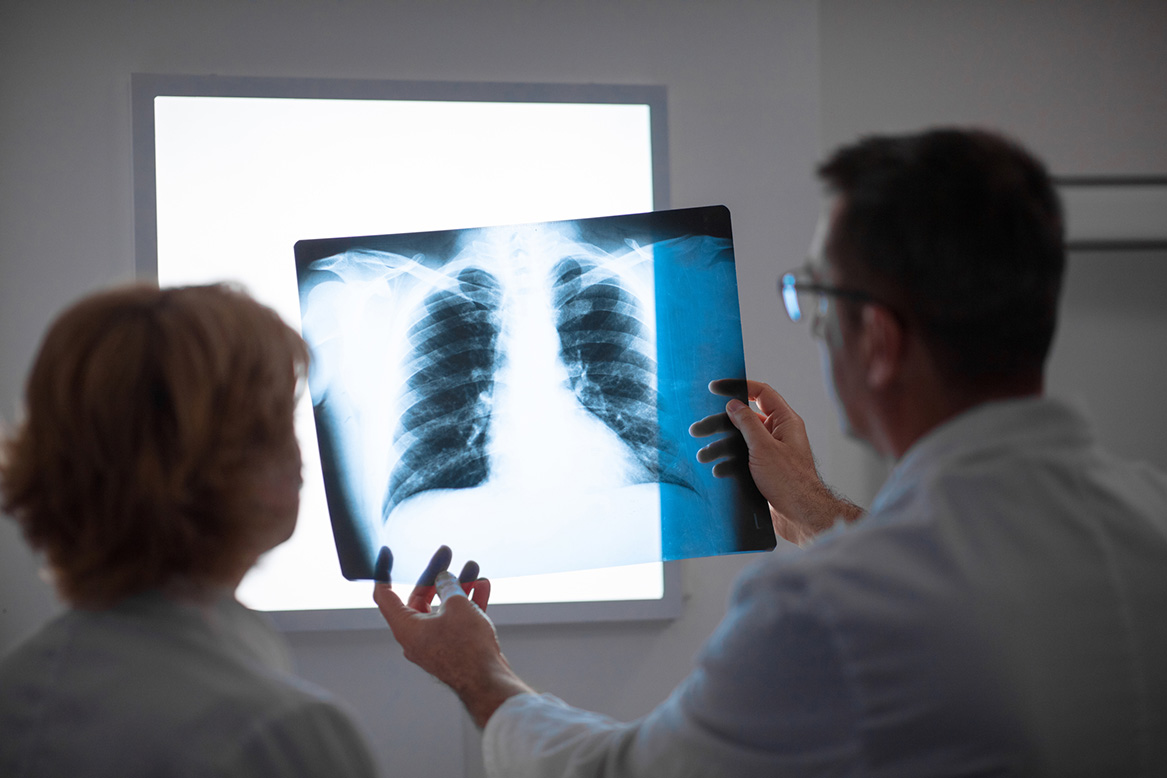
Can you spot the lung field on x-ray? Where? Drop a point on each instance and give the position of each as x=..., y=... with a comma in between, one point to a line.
x=608, y=352
x=445, y=427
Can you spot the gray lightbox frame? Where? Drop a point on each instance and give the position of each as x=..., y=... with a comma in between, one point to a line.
x=147, y=86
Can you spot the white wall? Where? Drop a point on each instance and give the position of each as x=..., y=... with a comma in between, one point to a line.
x=1082, y=83
x=744, y=118
x=741, y=79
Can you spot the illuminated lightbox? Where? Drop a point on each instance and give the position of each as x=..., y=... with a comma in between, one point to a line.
x=230, y=173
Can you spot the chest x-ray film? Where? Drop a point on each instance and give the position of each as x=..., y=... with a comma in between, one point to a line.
x=523, y=393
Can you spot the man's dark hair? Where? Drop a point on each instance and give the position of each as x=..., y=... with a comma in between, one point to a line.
x=960, y=233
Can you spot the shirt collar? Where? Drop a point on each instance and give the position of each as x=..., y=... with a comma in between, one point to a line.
x=984, y=430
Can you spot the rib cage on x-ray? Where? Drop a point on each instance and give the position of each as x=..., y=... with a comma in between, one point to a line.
x=455, y=354
x=608, y=354
x=453, y=360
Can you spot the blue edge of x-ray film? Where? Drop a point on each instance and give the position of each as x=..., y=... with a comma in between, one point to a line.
x=698, y=312
x=698, y=339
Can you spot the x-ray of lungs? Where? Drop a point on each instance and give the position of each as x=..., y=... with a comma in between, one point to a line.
x=523, y=393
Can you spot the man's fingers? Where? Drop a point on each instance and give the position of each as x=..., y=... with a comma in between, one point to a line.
x=742, y=388
x=730, y=456
x=421, y=597
x=384, y=565
x=385, y=597
x=765, y=396
x=731, y=446
x=392, y=609
x=478, y=591
x=770, y=402
x=732, y=468
x=711, y=425
x=423, y=594
x=747, y=421
x=448, y=586
x=730, y=387
x=469, y=572
x=438, y=562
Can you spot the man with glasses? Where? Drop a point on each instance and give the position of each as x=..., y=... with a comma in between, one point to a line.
x=999, y=610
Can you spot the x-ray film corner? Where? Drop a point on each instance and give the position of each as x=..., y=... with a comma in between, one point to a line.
x=523, y=393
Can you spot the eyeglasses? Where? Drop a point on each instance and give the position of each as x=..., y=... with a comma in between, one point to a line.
x=802, y=296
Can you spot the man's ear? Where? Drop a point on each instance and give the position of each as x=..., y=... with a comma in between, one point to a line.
x=883, y=346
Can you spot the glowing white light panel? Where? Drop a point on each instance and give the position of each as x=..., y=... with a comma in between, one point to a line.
x=239, y=180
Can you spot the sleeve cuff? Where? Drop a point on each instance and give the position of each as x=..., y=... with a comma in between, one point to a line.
x=503, y=722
